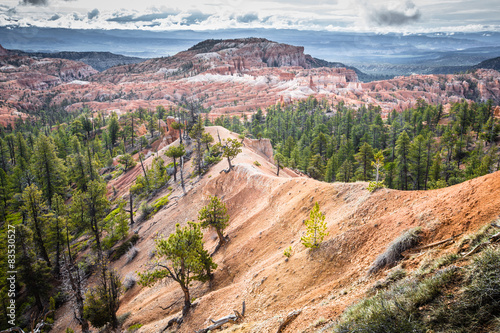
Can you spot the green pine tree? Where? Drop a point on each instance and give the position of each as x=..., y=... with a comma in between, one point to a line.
x=316, y=228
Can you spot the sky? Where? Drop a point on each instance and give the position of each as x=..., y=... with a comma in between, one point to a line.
x=405, y=16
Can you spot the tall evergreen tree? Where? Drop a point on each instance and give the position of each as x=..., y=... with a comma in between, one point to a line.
x=402, y=155
x=418, y=161
x=364, y=158
x=36, y=209
x=48, y=169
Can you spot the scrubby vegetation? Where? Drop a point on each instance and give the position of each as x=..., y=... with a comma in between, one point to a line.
x=445, y=298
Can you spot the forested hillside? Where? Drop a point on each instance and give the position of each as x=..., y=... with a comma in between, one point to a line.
x=63, y=218
x=58, y=174
x=426, y=147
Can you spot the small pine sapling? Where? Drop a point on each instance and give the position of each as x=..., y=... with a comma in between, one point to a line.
x=316, y=228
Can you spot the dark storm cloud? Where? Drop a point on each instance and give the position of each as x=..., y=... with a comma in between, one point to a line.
x=35, y=2
x=394, y=17
x=92, y=14
x=251, y=17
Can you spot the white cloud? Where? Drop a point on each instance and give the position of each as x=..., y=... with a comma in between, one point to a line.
x=337, y=15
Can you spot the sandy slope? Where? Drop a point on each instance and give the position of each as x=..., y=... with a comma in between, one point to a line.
x=267, y=214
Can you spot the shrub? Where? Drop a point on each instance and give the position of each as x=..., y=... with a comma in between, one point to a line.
x=395, y=310
x=373, y=186
x=124, y=247
x=256, y=163
x=479, y=304
x=288, y=252
x=123, y=317
x=129, y=281
x=158, y=204
x=134, y=328
x=393, y=254
x=131, y=254
x=145, y=209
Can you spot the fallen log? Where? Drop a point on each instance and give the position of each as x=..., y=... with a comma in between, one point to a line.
x=436, y=243
x=232, y=318
x=291, y=316
x=494, y=238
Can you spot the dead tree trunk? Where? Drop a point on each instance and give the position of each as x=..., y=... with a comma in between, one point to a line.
x=131, y=210
x=232, y=318
x=291, y=316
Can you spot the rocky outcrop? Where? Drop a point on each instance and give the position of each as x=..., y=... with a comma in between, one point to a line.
x=3, y=52
x=230, y=77
x=225, y=57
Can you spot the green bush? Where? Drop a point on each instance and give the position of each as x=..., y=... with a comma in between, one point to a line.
x=373, y=186
x=134, y=327
x=288, y=252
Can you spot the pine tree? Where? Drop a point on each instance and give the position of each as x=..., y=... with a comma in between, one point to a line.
x=102, y=301
x=34, y=273
x=316, y=228
x=57, y=225
x=230, y=149
x=402, y=154
x=178, y=126
x=5, y=193
x=279, y=160
x=182, y=261
x=215, y=215
x=48, y=169
x=36, y=208
x=113, y=129
x=378, y=163
x=316, y=167
x=345, y=172
x=418, y=161
x=197, y=134
x=364, y=158
x=436, y=168
x=175, y=152
x=95, y=208
x=331, y=169
x=127, y=161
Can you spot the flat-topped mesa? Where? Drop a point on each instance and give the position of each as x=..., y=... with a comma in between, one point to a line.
x=255, y=50
x=225, y=57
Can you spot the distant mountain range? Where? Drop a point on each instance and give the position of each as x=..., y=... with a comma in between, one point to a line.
x=444, y=62
x=98, y=60
x=381, y=55
x=489, y=64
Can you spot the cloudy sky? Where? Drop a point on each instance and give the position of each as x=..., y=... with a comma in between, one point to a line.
x=329, y=15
